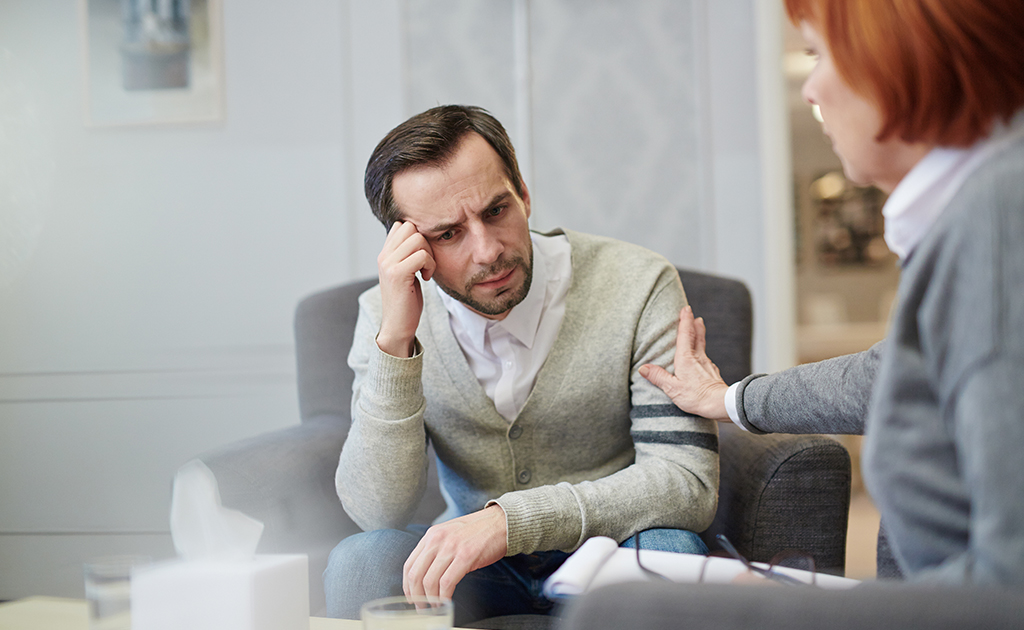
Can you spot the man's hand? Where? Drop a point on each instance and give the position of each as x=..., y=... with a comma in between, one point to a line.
x=405, y=252
x=450, y=550
x=696, y=387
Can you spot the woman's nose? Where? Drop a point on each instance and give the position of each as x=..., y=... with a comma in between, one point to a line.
x=807, y=92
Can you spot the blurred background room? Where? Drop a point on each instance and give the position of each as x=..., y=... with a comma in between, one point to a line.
x=176, y=174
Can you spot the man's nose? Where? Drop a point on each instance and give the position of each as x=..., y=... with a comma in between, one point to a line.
x=486, y=247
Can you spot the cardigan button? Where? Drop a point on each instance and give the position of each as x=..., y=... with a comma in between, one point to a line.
x=524, y=475
x=515, y=432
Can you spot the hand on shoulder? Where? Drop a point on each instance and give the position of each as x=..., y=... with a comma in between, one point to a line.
x=697, y=386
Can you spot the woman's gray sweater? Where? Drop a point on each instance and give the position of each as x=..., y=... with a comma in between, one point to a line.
x=941, y=400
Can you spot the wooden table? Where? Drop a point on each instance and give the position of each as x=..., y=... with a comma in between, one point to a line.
x=52, y=613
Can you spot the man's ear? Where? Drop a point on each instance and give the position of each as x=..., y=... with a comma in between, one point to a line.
x=526, y=199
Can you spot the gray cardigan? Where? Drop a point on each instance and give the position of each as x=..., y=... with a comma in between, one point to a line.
x=941, y=400
x=597, y=449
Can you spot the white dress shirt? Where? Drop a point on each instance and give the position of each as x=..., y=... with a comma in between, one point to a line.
x=927, y=189
x=921, y=196
x=506, y=355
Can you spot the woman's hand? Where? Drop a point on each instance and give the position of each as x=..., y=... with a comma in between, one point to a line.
x=696, y=387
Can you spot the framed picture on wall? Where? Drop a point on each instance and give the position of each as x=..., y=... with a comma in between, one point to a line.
x=152, y=61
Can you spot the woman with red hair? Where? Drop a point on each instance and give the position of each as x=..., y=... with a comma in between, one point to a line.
x=925, y=99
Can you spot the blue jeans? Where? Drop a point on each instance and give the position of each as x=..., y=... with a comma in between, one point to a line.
x=368, y=565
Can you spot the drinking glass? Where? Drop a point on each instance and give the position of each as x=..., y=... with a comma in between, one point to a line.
x=108, y=590
x=408, y=613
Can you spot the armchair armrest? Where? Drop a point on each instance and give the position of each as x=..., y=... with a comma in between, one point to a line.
x=782, y=492
x=285, y=478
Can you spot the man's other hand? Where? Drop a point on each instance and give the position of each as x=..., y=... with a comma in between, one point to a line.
x=450, y=550
x=696, y=387
x=405, y=252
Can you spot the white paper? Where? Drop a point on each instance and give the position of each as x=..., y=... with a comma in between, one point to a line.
x=203, y=529
x=575, y=574
x=597, y=567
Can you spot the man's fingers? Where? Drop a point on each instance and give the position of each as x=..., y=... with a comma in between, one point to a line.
x=451, y=578
x=397, y=235
x=452, y=549
x=434, y=575
x=406, y=251
x=405, y=266
x=403, y=250
x=439, y=579
x=412, y=572
x=427, y=269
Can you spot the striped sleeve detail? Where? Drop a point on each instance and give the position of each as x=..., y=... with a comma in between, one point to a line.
x=658, y=411
x=707, y=441
x=699, y=439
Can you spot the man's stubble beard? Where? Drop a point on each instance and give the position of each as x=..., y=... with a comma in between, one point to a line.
x=503, y=302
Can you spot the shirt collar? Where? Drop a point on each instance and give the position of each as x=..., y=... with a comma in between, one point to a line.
x=915, y=202
x=922, y=195
x=521, y=322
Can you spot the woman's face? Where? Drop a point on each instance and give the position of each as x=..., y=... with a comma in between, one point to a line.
x=852, y=123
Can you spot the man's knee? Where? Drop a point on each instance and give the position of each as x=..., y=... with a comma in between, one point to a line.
x=379, y=541
x=366, y=566
x=674, y=540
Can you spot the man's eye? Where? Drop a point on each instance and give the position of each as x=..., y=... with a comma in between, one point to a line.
x=446, y=236
x=496, y=211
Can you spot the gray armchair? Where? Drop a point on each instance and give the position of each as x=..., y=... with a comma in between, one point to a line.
x=777, y=492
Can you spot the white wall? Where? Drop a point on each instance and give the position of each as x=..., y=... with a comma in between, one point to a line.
x=147, y=314
x=148, y=276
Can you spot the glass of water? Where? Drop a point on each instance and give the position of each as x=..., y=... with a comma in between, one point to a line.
x=108, y=591
x=408, y=613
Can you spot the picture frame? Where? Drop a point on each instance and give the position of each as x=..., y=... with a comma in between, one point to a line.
x=152, y=62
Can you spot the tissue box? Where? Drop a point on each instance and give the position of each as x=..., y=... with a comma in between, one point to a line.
x=270, y=592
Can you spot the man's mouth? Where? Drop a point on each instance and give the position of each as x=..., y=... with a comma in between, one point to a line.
x=496, y=281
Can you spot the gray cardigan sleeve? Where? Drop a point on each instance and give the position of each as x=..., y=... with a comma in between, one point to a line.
x=829, y=396
x=388, y=404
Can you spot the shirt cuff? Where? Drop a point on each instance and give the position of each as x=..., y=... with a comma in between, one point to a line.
x=730, y=406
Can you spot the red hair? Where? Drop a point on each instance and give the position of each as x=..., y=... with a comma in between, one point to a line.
x=940, y=71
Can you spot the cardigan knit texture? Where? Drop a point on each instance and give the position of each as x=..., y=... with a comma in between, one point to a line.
x=596, y=451
x=941, y=400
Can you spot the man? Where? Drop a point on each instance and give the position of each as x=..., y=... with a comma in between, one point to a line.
x=516, y=356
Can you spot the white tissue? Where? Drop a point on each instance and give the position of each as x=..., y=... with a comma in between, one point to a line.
x=202, y=528
x=218, y=582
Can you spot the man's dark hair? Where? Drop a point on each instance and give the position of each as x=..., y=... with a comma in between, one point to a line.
x=430, y=139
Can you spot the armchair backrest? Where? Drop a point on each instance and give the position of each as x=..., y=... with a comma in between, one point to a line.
x=324, y=324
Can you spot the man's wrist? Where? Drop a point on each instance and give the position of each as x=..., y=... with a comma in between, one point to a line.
x=399, y=348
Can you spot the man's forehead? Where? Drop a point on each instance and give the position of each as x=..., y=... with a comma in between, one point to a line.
x=473, y=176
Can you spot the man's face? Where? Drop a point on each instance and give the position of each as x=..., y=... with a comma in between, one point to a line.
x=476, y=225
